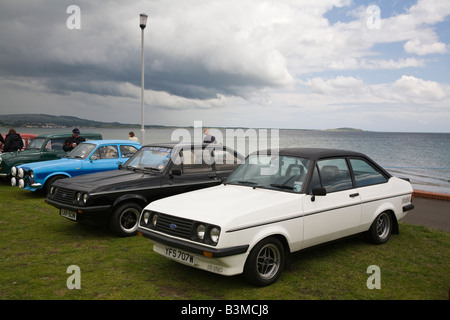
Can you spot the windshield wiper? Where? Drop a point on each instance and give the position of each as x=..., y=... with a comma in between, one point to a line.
x=246, y=182
x=282, y=186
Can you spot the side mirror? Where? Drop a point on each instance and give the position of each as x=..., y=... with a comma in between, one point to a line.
x=120, y=166
x=175, y=172
x=318, y=192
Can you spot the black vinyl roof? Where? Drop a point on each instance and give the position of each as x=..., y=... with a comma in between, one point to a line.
x=313, y=153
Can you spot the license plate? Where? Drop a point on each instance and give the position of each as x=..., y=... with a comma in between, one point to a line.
x=68, y=214
x=179, y=255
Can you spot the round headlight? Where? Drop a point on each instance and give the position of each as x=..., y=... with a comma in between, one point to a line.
x=201, y=231
x=154, y=220
x=21, y=183
x=214, y=234
x=13, y=171
x=78, y=196
x=31, y=174
x=52, y=190
x=146, y=217
x=13, y=181
x=85, y=197
x=20, y=173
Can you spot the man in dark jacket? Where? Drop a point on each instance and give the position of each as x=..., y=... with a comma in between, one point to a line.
x=13, y=141
x=73, y=140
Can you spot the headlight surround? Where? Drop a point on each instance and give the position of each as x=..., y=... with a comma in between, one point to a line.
x=149, y=219
x=81, y=197
x=206, y=233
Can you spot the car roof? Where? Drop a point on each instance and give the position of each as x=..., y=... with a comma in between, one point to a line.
x=112, y=141
x=313, y=153
x=66, y=135
x=184, y=144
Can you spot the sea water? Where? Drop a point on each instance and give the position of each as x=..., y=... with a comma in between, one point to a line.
x=424, y=158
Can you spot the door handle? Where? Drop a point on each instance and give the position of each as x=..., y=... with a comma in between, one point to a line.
x=354, y=195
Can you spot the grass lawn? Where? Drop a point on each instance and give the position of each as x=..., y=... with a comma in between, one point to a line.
x=37, y=247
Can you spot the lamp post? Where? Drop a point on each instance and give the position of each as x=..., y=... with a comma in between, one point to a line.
x=142, y=24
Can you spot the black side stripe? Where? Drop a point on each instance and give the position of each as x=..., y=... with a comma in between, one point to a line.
x=312, y=213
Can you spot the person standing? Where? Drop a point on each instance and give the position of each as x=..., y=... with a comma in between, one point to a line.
x=132, y=137
x=13, y=141
x=208, y=138
x=74, y=140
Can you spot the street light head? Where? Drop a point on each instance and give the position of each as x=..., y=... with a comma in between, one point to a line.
x=143, y=20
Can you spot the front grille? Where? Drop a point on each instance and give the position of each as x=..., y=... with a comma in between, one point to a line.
x=175, y=226
x=64, y=195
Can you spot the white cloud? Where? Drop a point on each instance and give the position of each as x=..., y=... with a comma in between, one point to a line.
x=226, y=60
x=416, y=46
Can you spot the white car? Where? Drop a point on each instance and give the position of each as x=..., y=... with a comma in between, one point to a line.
x=275, y=203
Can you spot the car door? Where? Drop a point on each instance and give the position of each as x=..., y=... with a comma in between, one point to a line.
x=371, y=184
x=194, y=172
x=336, y=214
x=104, y=158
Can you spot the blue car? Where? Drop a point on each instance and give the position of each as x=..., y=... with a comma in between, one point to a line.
x=87, y=157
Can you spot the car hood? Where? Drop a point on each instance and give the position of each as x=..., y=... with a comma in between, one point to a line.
x=51, y=165
x=8, y=156
x=231, y=205
x=109, y=181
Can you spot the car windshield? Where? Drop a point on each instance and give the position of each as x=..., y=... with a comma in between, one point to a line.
x=283, y=173
x=82, y=151
x=150, y=158
x=35, y=144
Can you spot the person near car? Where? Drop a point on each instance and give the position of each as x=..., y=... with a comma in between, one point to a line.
x=208, y=138
x=132, y=137
x=13, y=141
x=74, y=140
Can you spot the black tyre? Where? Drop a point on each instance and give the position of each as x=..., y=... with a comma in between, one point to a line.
x=381, y=229
x=265, y=262
x=125, y=218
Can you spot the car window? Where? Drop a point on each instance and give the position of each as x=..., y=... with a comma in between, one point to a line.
x=36, y=143
x=106, y=152
x=225, y=160
x=54, y=144
x=284, y=173
x=365, y=174
x=127, y=151
x=196, y=161
x=82, y=151
x=334, y=174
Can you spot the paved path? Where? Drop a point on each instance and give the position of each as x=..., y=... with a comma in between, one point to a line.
x=434, y=214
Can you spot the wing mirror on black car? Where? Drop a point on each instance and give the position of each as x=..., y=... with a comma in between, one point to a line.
x=175, y=172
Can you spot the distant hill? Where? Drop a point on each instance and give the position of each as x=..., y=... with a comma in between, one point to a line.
x=344, y=129
x=51, y=121
x=30, y=120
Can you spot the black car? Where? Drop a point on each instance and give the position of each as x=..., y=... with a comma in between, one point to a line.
x=156, y=171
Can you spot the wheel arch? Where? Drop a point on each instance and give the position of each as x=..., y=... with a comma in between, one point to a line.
x=52, y=178
x=130, y=198
x=281, y=236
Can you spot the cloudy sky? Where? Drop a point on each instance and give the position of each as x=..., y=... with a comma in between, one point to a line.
x=306, y=64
